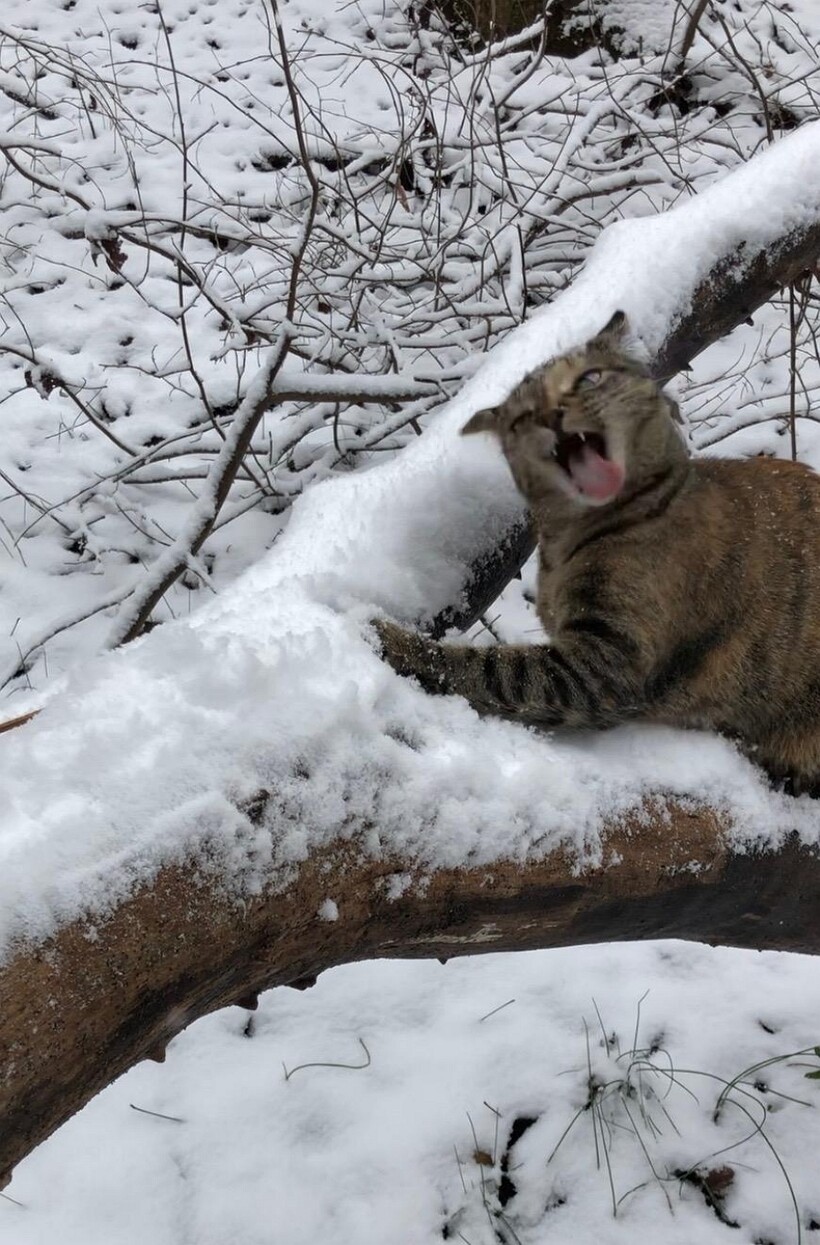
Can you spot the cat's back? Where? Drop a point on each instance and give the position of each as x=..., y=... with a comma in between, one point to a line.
x=764, y=499
x=763, y=472
x=754, y=546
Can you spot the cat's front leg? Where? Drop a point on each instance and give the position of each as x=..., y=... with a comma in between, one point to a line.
x=587, y=684
x=445, y=669
x=412, y=655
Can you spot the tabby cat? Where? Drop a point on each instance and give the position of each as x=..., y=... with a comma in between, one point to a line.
x=674, y=590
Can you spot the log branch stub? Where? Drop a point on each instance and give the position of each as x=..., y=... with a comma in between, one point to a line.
x=488, y=578
x=731, y=292
x=99, y=996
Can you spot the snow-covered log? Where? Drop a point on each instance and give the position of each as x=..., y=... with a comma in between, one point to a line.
x=249, y=796
x=91, y=1002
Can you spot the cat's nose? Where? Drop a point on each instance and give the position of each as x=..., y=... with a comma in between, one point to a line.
x=557, y=419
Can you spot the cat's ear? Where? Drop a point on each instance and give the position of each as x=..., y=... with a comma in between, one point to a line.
x=483, y=421
x=613, y=332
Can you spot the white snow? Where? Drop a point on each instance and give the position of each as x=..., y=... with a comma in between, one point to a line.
x=140, y=756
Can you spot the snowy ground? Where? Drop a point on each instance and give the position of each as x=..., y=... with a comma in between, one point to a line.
x=408, y=1149
x=387, y=1152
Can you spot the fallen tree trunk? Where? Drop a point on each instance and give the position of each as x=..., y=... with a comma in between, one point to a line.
x=91, y=1002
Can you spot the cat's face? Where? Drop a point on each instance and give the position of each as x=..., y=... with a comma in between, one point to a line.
x=586, y=426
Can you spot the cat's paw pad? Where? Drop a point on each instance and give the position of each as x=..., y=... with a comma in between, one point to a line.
x=409, y=653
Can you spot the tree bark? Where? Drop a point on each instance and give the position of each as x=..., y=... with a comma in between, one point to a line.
x=84, y=1007
x=572, y=25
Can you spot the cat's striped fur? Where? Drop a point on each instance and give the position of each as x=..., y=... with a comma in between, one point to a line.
x=691, y=596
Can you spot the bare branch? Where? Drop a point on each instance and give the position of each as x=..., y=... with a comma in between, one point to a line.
x=170, y=565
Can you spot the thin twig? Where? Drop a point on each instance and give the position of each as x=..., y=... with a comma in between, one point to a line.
x=353, y=1067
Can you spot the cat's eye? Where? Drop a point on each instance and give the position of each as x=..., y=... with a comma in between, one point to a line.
x=588, y=380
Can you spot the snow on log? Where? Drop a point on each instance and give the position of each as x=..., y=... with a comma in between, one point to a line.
x=178, y=948
x=250, y=796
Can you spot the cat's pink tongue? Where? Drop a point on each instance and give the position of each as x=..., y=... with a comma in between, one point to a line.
x=598, y=478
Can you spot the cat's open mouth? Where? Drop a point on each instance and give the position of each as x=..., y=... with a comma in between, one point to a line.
x=585, y=458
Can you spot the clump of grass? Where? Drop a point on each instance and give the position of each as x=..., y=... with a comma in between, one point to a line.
x=634, y=1101
x=632, y=1094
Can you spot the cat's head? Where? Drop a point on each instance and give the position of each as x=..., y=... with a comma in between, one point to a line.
x=589, y=425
